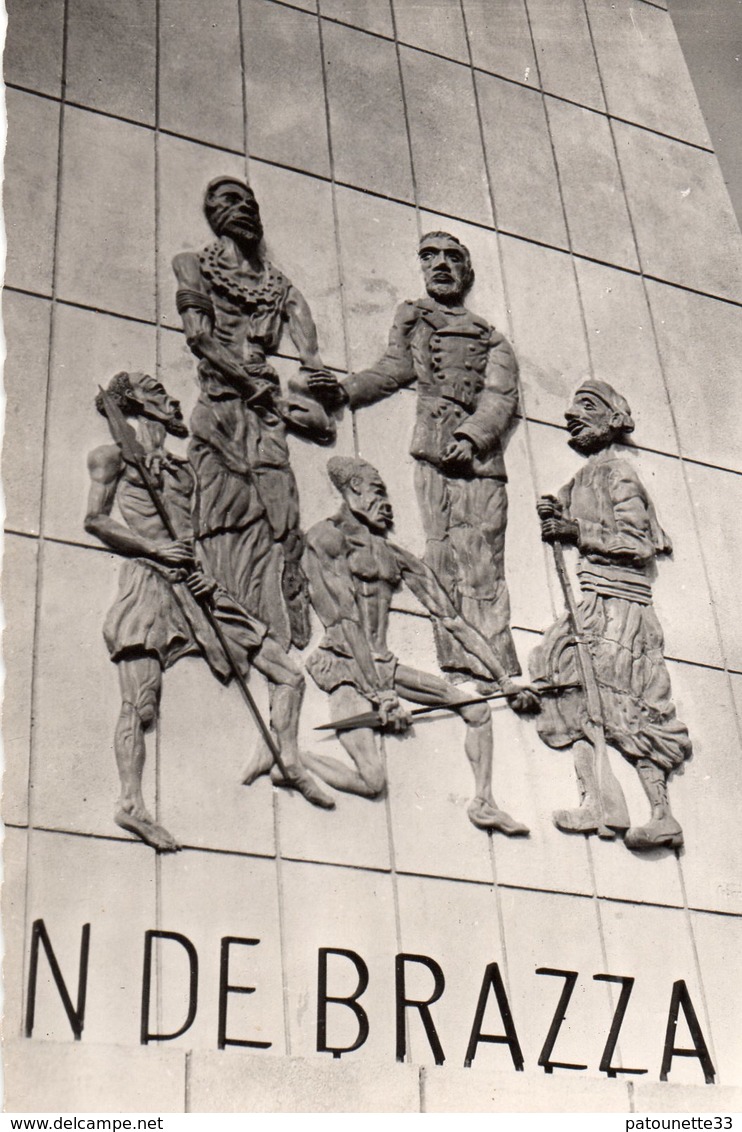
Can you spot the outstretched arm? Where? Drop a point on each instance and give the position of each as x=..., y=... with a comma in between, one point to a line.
x=106, y=467
x=394, y=369
x=428, y=590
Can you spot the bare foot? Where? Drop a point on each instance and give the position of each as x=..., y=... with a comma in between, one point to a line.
x=486, y=816
x=299, y=779
x=148, y=830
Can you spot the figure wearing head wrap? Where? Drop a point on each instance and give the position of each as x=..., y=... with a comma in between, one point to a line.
x=606, y=513
x=464, y=372
x=234, y=304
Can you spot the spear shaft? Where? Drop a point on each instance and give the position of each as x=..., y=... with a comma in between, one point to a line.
x=132, y=450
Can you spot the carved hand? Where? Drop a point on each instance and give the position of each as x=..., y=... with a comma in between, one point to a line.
x=178, y=553
x=549, y=507
x=326, y=388
x=559, y=530
x=458, y=452
x=392, y=715
x=200, y=585
x=522, y=699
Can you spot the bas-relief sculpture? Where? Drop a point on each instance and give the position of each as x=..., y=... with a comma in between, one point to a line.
x=354, y=570
x=606, y=512
x=234, y=304
x=229, y=575
x=466, y=379
x=158, y=616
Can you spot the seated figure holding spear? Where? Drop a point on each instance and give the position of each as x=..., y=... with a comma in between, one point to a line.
x=611, y=643
x=353, y=571
x=167, y=607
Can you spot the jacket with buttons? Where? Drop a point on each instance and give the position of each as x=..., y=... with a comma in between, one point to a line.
x=465, y=372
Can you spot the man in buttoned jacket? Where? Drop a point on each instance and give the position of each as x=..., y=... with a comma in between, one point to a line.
x=466, y=378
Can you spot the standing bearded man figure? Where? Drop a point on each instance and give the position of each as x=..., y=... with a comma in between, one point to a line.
x=234, y=304
x=606, y=513
x=466, y=376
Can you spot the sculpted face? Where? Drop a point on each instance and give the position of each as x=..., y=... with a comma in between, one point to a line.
x=446, y=268
x=368, y=500
x=232, y=210
x=157, y=404
x=591, y=423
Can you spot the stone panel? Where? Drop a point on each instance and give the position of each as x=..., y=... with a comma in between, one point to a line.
x=282, y=52
x=351, y=909
x=700, y=341
x=206, y=736
x=707, y=795
x=235, y=1083
x=591, y=185
x=62, y=1077
x=74, y=426
x=500, y=39
x=717, y=497
x=30, y=192
x=111, y=53
x=26, y=322
x=19, y=602
x=33, y=45
x=368, y=15
x=654, y=946
x=207, y=897
x=447, y=155
x=552, y=930
x=466, y=1090
x=108, y=208
x=185, y=169
x=547, y=328
x=520, y=161
x=685, y=227
x=684, y=1099
x=74, y=779
x=111, y=886
x=436, y=26
x=201, y=92
x=292, y=205
x=719, y=943
x=623, y=349
x=15, y=855
x=565, y=53
x=367, y=121
x=640, y=62
x=378, y=249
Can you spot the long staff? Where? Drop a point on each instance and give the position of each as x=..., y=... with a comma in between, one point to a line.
x=134, y=454
x=595, y=729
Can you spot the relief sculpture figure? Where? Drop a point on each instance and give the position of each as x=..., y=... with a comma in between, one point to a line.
x=158, y=616
x=353, y=570
x=234, y=304
x=466, y=379
x=606, y=512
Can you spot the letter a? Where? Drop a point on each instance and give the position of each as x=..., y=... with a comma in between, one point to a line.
x=493, y=978
x=680, y=997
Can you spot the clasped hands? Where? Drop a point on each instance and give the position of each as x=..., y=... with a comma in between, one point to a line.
x=181, y=553
x=554, y=527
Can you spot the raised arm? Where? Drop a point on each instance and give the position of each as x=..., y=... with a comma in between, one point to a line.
x=395, y=367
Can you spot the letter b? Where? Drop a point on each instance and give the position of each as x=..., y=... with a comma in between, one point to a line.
x=351, y=1001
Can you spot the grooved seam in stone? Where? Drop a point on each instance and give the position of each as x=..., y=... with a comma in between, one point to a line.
x=699, y=968
x=34, y=691
x=406, y=112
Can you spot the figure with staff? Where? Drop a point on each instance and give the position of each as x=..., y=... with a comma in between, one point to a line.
x=611, y=643
x=168, y=606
